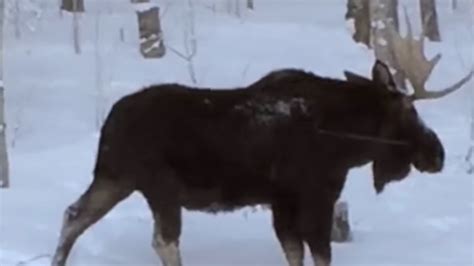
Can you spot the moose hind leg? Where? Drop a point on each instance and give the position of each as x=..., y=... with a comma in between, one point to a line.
x=167, y=227
x=285, y=223
x=101, y=196
x=166, y=238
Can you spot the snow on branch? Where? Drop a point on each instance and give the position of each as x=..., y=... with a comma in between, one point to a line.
x=142, y=7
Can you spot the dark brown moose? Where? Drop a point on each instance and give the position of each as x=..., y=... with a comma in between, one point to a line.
x=287, y=140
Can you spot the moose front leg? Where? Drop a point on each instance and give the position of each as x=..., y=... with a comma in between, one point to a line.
x=315, y=224
x=285, y=223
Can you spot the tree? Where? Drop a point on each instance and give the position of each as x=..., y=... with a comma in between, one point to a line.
x=237, y=8
x=429, y=18
x=233, y=7
x=17, y=19
x=4, y=171
x=341, y=230
x=22, y=13
x=75, y=7
x=454, y=4
x=358, y=14
x=250, y=4
x=100, y=110
x=384, y=16
x=149, y=28
x=189, y=41
x=470, y=152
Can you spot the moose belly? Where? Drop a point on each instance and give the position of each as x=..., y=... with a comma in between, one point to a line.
x=223, y=198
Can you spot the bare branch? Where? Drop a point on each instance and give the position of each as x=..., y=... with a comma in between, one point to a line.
x=245, y=70
x=33, y=259
x=165, y=10
x=190, y=42
x=179, y=54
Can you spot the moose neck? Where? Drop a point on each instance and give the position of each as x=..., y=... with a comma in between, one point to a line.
x=350, y=123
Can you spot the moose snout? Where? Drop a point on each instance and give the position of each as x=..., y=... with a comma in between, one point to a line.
x=423, y=165
x=432, y=161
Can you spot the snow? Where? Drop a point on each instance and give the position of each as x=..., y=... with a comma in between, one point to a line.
x=382, y=41
x=350, y=25
x=51, y=105
x=142, y=7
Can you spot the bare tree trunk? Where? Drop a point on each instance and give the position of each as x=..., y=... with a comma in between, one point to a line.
x=228, y=5
x=122, y=35
x=100, y=112
x=190, y=41
x=429, y=18
x=73, y=5
x=151, y=36
x=454, y=4
x=341, y=229
x=384, y=14
x=75, y=28
x=470, y=152
x=60, y=8
x=393, y=14
x=17, y=19
x=358, y=11
x=237, y=8
x=250, y=4
x=4, y=171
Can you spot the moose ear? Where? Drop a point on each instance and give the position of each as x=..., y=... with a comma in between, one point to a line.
x=358, y=79
x=381, y=75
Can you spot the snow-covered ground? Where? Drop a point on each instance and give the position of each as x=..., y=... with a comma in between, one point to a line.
x=51, y=111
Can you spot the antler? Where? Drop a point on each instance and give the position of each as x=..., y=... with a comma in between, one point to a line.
x=409, y=54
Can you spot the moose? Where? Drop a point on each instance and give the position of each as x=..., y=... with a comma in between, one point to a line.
x=287, y=141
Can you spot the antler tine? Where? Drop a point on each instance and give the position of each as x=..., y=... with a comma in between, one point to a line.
x=441, y=93
x=418, y=47
x=409, y=54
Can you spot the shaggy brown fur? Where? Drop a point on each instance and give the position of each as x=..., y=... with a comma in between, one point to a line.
x=287, y=140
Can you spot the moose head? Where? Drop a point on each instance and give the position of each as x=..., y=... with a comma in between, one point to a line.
x=421, y=146
x=414, y=144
